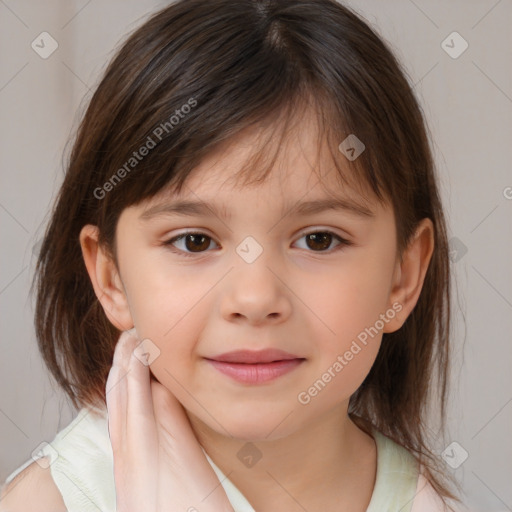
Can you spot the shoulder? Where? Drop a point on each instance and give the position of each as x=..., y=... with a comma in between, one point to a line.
x=32, y=490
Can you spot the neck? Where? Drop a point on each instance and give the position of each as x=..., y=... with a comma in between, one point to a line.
x=325, y=463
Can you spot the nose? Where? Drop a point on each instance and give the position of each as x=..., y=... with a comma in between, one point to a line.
x=256, y=291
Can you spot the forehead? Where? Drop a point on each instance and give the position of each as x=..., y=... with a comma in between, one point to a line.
x=273, y=162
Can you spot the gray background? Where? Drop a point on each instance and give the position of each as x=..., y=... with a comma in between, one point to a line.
x=468, y=104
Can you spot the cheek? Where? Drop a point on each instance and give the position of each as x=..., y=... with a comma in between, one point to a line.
x=162, y=296
x=346, y=323
x=162, y=309
x=348, y=300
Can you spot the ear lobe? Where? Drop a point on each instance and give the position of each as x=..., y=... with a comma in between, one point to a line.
x=105, y=279
x=410, y=273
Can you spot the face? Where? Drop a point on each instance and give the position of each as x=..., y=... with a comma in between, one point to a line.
x=258, y=274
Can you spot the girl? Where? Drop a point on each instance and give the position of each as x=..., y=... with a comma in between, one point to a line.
x=244, y=286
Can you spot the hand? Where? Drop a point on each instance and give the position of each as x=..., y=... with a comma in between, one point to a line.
x=159, y=465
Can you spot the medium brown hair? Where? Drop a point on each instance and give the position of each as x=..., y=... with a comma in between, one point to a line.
x=238, y=64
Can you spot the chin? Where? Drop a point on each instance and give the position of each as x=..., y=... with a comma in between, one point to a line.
x=254, y=425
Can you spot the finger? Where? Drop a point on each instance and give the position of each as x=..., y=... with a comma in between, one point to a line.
x=141, y=435
x=116, y=407
x=131, y=391
x=115, y=391
x=124, y=347
x=134, y=434
x=138, y=381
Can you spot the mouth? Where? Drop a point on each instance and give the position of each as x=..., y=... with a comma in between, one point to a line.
x=255, y=367
x=268, y=355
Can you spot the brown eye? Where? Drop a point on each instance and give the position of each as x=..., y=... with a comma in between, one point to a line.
x=191, y=243
x=197, y=243
x=320, y=241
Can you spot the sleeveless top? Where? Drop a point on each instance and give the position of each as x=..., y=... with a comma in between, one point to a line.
x=81, y=465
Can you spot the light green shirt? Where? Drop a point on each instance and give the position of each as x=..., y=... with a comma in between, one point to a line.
x=81, y=464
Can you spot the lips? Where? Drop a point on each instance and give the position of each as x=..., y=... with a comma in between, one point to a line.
x=255, y=367
x=254, y=357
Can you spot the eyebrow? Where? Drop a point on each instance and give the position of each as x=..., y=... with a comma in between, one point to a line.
x=201, y=208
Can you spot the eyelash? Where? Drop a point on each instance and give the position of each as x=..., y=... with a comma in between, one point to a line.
x=343, y=242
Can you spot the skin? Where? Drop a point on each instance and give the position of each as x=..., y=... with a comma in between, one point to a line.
x=310, y=301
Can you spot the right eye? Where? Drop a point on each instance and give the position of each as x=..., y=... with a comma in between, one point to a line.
x=192, y=241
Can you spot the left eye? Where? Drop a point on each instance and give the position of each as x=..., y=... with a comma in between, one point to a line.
x=323, y=239
x=199, y=242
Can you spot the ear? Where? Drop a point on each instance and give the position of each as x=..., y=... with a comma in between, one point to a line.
x=105, y=279
x=410, y=274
